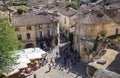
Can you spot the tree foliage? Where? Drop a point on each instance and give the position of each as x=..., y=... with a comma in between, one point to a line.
x=73, y=5
x=103, y=33
x=21, y=10
x=20, y=3
x=8, y=43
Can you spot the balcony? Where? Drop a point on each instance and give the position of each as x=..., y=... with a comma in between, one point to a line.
x=44, y=38
x=87, y=39
x=29, y=40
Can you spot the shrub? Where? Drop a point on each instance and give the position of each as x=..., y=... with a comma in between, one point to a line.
x=16, y=3
x=73, y=5
x=103, y=33
x=91, y=51
x=118, y=39
x=21, y=10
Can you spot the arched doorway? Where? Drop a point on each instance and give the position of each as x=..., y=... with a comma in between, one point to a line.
x=29, y=45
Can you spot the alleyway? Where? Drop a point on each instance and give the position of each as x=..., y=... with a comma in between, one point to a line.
x=78, y=70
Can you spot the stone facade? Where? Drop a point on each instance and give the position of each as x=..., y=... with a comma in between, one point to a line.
x=86, y=33
x=38, y=31
x=66, y=17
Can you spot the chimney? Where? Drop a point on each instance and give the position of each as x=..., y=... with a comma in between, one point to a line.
x=52, y=18
x=102, y=8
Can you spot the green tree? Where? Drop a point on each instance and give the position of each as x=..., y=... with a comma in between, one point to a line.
x=8, y=44
x=21, y=10
x=73, y=5
x=103, y=33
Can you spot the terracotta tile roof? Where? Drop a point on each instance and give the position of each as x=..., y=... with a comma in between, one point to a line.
x=31, y=19
x=114, y=5
x=67, y=12
x=61, y=9
x=93, y=17
x=114, y=14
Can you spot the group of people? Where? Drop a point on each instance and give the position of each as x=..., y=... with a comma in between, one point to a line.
x=66, y=62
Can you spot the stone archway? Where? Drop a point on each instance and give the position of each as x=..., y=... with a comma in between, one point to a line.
x=29, y=45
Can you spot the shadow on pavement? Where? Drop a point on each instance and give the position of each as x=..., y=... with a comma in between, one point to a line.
x=79, y=68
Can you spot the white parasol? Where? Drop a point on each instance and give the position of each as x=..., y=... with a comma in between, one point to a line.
x=23, y=60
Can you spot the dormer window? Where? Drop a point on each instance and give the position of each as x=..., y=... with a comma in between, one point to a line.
x=100, y=15
x=48, y=26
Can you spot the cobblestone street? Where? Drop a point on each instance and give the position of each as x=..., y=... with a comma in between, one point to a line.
x=77, y=71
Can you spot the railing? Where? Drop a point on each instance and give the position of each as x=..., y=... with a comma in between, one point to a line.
x=28, y=40
x=87, y=39
x=44, y=38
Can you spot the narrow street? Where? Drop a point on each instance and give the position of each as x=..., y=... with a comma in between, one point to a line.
x=77, y=71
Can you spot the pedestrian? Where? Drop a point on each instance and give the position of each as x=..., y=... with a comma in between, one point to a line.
x=71, y=62
x=23, y=76
x=34, y=76
x=43, y=61
x=56, y=54
x=50, y=49
x=49, y=66
x=55, y=65
x=64, y=60
x=68, y=70
x=61, y=66
x=51, y=62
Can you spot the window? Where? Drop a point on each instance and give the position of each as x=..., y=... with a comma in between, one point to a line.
x=56, y=32
x=40, y=35
x=48, y=25
x=28, y=35
x=117, y=31
x=64, y=20
x=19, y=37
x=48, y=33
x=56, y=24
x=28, y=28
x=40, y=26
x=17, y=29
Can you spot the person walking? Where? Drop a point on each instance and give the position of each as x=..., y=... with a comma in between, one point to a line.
x=65, y=60
x=61, y=66
x=49, y=66
x=51, y=62
x=57, y=54
x=34, y=76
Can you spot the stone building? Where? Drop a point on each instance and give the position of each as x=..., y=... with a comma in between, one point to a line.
x=36, y=29
x=66, y=16
x=88, y=27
